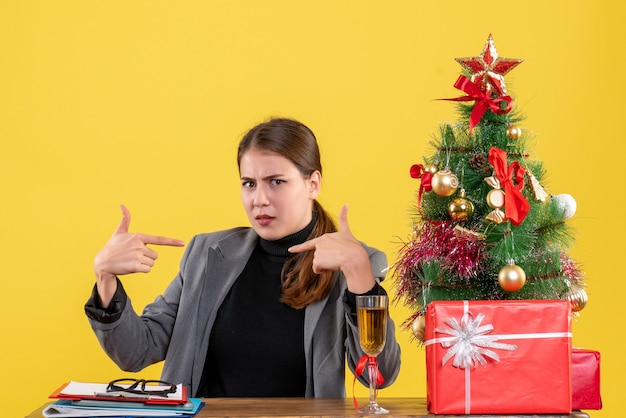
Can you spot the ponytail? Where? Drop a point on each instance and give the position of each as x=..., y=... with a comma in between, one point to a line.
x=300, y=285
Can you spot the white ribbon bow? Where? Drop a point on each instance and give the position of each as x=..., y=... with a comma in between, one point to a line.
x=469, y=345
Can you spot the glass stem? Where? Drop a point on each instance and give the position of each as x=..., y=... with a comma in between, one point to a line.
x=372, y=366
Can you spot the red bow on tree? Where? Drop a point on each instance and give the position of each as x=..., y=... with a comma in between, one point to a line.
x=418, y=172
x=516, y=207
x=482, y=99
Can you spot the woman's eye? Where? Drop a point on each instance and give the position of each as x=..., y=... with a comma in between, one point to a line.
x=248, y=184
x=276, y=182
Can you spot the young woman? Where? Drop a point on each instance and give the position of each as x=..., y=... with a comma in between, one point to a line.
x=263, y=311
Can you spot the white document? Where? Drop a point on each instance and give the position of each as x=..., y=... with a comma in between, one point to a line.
x=100, y=389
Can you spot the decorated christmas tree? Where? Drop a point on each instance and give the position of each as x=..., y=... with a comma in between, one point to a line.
x=484, y=226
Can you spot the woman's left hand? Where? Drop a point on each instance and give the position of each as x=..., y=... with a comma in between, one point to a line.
x=341, y=251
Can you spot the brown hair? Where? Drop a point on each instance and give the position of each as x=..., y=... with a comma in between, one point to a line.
x=296, y=142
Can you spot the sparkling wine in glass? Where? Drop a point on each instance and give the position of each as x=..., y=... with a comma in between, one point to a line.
x=372, y=323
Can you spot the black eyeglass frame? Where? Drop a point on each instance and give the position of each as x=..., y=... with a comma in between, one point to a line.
x=138, y=387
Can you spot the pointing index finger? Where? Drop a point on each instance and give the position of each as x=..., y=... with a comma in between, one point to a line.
x=159, y=240
x=122, y=228
x=305, y=246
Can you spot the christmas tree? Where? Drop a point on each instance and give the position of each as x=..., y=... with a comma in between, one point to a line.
x=484, y=227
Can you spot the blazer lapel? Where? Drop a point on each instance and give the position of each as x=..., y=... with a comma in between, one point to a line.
x=313, y=313
x=224, y=263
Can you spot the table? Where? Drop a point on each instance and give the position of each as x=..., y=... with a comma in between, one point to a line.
x=310, y=407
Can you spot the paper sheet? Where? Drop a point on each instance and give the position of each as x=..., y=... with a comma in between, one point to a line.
x=99, y=389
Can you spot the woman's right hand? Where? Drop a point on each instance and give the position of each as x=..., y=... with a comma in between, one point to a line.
x=125, y=253
x=341, y=251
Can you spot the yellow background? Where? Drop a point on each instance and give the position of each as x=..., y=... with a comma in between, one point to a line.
x=143, y=103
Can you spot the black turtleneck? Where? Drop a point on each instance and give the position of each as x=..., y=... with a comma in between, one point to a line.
x=256, y=347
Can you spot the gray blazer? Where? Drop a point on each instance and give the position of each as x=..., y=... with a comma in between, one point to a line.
x=176, y=327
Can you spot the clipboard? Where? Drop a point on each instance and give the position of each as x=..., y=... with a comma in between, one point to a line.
x=78, y=391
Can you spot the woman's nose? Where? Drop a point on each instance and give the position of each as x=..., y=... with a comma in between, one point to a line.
x=260, y=197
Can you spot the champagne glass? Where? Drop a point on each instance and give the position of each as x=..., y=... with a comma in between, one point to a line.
x=372, y=323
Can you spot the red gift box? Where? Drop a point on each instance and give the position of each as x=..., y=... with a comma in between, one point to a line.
x=586, y=379
x=498, y=357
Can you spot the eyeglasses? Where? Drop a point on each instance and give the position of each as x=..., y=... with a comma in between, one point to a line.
x=141, y=387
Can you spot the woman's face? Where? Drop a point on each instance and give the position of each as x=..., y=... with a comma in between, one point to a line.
x=277, y=199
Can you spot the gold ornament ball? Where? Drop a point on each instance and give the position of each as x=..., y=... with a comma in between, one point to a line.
x=431, y=168
x=577, y=298
x=513, y=132
x=511, y=278
x=419, y=328
x=495, y=198
x=444, y=182
x=460, y=209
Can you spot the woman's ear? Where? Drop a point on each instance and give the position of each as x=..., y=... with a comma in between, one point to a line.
x=315, y=184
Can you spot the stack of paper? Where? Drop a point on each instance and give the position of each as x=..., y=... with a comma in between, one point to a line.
x=77, y=399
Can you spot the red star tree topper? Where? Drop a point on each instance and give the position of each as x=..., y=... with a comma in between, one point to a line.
x=488, y=69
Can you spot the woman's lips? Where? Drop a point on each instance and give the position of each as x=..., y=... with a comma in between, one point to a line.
x=264, y=220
